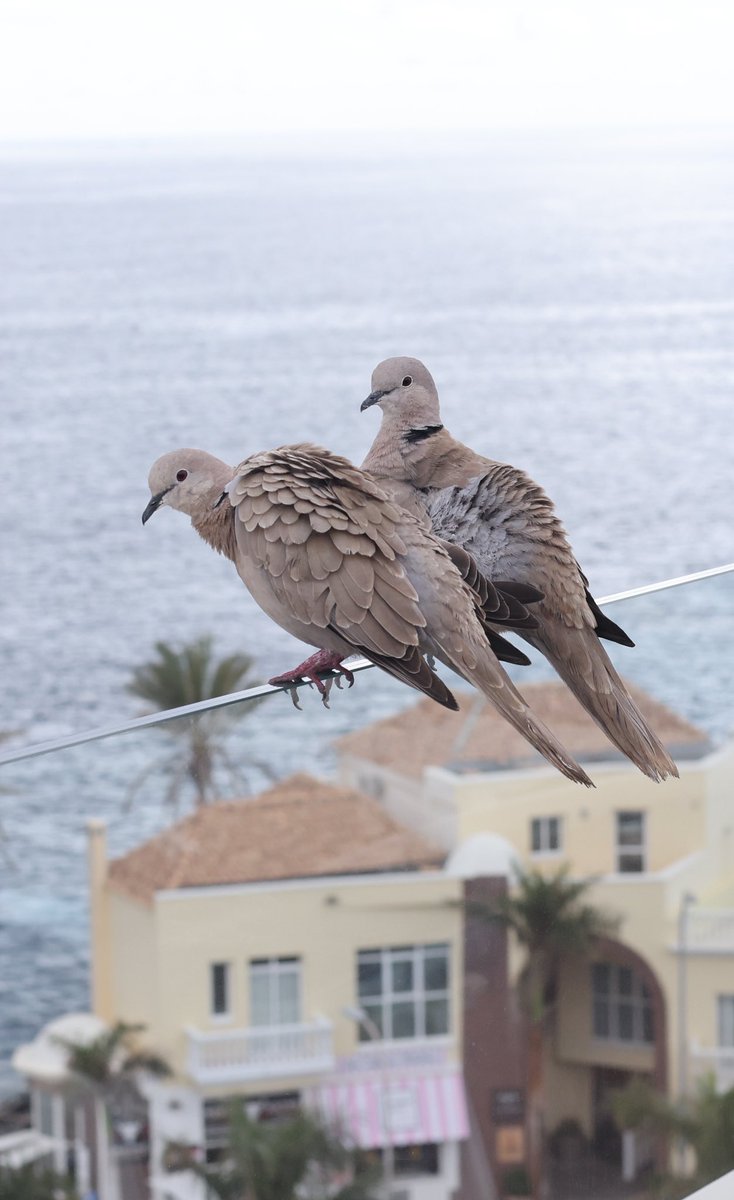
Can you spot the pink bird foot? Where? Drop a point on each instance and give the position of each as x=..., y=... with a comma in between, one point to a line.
x=311, y=670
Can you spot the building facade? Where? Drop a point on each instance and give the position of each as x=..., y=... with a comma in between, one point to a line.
x=298, y=948
x=658, y=1000
x=314, y=946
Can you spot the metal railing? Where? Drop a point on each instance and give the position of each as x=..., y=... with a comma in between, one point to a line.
x=267, y=689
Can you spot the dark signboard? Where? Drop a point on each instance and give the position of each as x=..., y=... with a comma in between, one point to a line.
x=508, y=1105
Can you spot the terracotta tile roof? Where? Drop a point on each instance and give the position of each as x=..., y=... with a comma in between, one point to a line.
x=301, y=827
x=426, y=734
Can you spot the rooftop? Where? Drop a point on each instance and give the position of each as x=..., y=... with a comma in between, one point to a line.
x=301, y=827
x=428, y=735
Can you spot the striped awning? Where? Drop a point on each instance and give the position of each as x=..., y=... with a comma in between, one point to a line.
x=401, y=1110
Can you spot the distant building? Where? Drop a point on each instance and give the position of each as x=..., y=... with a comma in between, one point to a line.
x=313, y=945
x=240, y=935
x=660, y=1000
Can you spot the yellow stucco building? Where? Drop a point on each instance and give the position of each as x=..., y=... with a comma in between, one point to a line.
x=313, y=945
x=659, y=999
x=262, y=943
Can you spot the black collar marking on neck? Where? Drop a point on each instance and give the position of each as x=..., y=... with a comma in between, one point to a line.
x=420, y=435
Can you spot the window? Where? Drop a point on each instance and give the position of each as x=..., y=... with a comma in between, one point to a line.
x=416, y=1160
x=219, y=989
x=545, y=835
x=405, y=990
x=424, y=1159
x=725, y=1006
x=622, y=1006
x=630, y=842
x=275, y=991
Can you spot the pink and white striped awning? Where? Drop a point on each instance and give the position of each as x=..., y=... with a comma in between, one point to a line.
x=403, y=1110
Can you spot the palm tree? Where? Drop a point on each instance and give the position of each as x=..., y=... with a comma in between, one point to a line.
x=32, y=1182
x=185, y=676
x=283, y=1160
x=551, y=921
x=104, y=1068
x=705, y=1121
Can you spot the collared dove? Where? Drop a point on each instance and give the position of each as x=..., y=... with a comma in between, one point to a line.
x=509, y=526
x=333, y=561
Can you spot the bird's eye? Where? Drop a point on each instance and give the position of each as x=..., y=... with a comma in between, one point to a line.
x=181, y=475
x=407, y=381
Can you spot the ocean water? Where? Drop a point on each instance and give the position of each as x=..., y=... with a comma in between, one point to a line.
x=574, y=298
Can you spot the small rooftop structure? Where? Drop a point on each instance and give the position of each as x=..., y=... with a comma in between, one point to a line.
x=479, y=739
x=482, y=854
x=301, y=827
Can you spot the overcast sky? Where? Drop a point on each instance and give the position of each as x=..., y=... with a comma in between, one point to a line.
x=122, y=68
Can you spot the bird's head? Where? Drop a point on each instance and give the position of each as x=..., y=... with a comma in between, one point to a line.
x=404, y=389
x=190, y=480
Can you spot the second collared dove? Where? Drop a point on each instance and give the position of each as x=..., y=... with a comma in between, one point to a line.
x=333, y=561
x=509, y=526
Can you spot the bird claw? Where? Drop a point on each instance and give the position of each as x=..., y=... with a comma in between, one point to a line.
x=328, y=683
x=308, y=672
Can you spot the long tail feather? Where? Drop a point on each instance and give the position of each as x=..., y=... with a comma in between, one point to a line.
x=534, y=731
x=481, y=671
x=586, y=669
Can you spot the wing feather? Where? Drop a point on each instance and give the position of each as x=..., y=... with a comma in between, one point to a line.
x=329, y=541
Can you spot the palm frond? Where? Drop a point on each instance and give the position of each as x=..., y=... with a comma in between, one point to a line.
x=109, y=1056
x=153, y=1064
x=272, y=1160
x=186, y=675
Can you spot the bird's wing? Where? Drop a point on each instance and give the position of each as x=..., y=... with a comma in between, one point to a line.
x=329, y=542
x=508, y=524
x=457, y=635
x=501, y=603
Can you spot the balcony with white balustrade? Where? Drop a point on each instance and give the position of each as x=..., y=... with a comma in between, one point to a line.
x=260, y=1052
x=710, y=931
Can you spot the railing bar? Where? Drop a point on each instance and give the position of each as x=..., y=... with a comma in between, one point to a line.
x=267, y=689
x=679, y=581
x=159, y=718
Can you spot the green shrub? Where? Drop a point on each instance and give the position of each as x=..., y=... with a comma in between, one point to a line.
x=516, y=1182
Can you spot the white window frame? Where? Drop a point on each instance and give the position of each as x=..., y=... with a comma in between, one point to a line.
x=226, y=1014
x=418, y=995
x=725, y=1020
x=638, y=849
x=544, y=826
x=640, y=1002
x=275, y=968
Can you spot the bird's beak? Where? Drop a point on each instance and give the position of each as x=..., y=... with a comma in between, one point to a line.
x=154, y=503
x=373, y=398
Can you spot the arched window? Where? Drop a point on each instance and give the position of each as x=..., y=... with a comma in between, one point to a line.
x=622, y=1005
